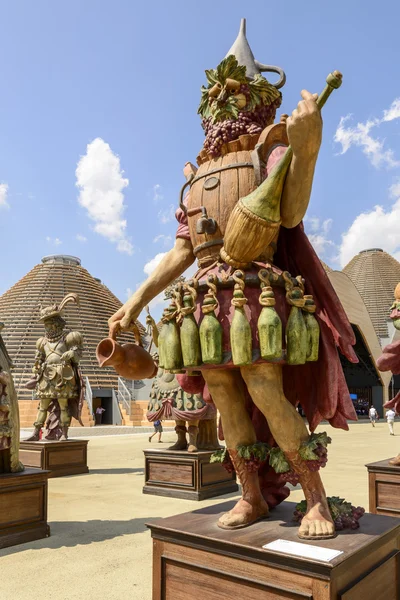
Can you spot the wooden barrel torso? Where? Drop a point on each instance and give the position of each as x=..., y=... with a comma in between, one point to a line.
x=218, y=192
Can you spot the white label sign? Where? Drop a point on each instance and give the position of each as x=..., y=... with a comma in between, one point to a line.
x=304, y=550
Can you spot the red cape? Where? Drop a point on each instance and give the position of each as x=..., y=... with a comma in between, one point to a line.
x=320, y=387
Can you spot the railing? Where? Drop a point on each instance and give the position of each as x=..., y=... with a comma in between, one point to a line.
x=116, y=411
x=89, y=396
x=124, y=396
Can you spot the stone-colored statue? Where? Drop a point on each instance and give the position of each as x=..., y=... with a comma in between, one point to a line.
x=390, y=361
x=260, y=320
x=57, y=377
x=9, y=416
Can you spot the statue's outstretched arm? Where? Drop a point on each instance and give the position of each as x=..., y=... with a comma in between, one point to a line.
x=304, y=129
x=174, y=263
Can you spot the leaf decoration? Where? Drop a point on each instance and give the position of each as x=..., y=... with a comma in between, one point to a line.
x=321, y=438
x=307, y=448
x=258, y=450
x=278, y=461
x=219, y=456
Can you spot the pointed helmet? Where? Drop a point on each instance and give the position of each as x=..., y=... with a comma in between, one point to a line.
x=245, y=57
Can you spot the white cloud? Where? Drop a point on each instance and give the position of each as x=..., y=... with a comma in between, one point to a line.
x=393, y=112
x=167, y=215
x=153, y=263
x=165, y=239
x=318, y=235
x=128, y=292
x=378, y=228
x=53, y=241
x=101, y=183
x=157, y=193
x=360, y=136
x=3, y=195
x=81, y=238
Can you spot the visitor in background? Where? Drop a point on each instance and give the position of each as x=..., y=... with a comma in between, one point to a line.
x=390, y=415
x=157, y=429
x=99, y=414
x=373, y=415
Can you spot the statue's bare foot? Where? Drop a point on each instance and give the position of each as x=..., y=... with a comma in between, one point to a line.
x=395, y=461
x=244, y=514
x=192, y=448
x=317, y=524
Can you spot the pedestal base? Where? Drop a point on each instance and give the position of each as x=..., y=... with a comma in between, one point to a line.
x=60, y=458
x=384, y=488
x=23, y=507
x=188, y=475
x=193, y=558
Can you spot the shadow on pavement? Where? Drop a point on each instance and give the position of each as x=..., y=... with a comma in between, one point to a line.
x=117, y=471
x=66, y=534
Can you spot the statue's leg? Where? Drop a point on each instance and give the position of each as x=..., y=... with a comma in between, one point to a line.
x=181, y=442
x=40, y=419
x=65, y=419
x=228, y=393
x=193, y=430
x=265, y=386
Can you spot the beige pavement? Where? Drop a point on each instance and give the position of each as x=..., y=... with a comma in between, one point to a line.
x=100, y=548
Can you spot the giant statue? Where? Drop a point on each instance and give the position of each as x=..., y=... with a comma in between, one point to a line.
x=9, y=415
x=390, y=361
x=260, y=320
x=57, y=377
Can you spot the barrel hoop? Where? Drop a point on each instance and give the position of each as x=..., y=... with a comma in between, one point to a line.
x=224, y=168
x=250, y=279
x=207, y=245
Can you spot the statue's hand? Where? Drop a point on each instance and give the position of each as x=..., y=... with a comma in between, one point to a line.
x=67, y=356
x=304, y=127
x=124, y=317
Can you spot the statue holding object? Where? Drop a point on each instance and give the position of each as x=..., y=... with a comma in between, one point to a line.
x=390, y=361
x=260, y=320
x=57, y=377
x=9, y=415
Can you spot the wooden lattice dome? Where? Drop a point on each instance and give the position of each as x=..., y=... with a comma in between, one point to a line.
x=46, y=283
x=375, y=274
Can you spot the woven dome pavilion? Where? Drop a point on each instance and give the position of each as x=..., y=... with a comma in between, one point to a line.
x=46, y=283
x=375, y=274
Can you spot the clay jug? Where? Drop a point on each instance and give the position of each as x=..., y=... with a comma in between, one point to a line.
x=130, y=361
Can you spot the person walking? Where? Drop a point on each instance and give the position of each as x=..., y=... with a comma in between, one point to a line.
x=157, y=429
x=390, y=415
x=373, y=415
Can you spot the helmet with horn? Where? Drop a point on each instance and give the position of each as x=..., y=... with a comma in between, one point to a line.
x=54, y=310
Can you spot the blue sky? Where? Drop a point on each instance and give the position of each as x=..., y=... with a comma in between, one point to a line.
x=126, y=76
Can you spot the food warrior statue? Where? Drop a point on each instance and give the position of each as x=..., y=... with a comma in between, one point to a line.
x=390, y=361
x=194, y=413
x=57, y=378
x=260, y=319
x=9, y=415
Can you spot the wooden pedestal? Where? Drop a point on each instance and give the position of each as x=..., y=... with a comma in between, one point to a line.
x=23, y=507
x=384, y=488
x=60, y=458
x=188, y=475
x=193, y=558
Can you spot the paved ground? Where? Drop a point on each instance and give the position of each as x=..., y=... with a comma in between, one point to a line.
x=100, y=547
